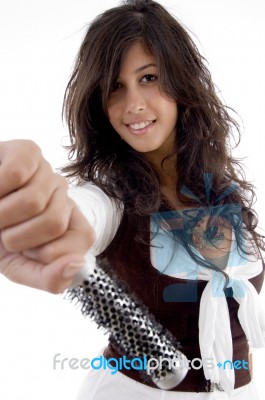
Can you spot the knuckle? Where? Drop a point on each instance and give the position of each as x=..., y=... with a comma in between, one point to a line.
x=62, y=182
x=34, y=203
x=57, y=226
x=32, y=146
x=16, y=176
x=29, y=148
x=48, y=253
x=9, y=241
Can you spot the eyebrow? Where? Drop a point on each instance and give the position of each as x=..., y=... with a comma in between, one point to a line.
x=144, y=67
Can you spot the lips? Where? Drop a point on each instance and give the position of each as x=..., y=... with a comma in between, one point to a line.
x=141, y=127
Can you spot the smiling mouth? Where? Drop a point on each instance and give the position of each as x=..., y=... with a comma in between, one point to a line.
x=141, y=128
x=140, y=125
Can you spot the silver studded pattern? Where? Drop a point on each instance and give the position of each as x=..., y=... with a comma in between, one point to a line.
x=130, y=324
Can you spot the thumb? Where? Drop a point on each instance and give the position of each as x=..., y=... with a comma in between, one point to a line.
x=54, y=277
x=59, y=275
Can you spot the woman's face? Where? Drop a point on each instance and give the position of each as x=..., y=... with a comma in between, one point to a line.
x=143, y=116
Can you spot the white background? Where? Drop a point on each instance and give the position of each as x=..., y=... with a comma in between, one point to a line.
x=38, y=43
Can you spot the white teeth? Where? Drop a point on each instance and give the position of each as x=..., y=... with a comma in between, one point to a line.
x=140, y=125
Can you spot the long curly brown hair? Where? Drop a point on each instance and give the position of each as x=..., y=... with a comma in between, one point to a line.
x=204, y=127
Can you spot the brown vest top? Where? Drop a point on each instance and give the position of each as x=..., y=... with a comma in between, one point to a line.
x=130, y=260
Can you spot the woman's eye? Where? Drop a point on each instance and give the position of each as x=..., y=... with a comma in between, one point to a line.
x=149, y=78
x=115, y=86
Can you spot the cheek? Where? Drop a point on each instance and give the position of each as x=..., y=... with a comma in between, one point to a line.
x=113, y=114
x=169, y=112
x=110, y=116
x=175, y=112
x=164, y=104
x=172, y=111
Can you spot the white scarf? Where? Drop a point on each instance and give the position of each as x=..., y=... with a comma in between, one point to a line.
x=214, y=322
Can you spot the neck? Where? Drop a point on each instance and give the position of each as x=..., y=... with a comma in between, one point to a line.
x=167, y=173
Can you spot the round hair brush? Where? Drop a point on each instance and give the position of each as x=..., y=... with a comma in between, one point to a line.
x=136, y=332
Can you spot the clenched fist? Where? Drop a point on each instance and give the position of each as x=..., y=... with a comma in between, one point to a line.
x=43, y=235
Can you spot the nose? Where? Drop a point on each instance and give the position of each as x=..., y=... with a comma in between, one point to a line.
x=135, y=101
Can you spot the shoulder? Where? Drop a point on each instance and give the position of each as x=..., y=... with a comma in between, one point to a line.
x=89, y=192
x=103, y=212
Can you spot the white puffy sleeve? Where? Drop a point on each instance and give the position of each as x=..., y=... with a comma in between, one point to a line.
x=102, y=212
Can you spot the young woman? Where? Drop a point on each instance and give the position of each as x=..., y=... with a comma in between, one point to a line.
x=168, y=204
